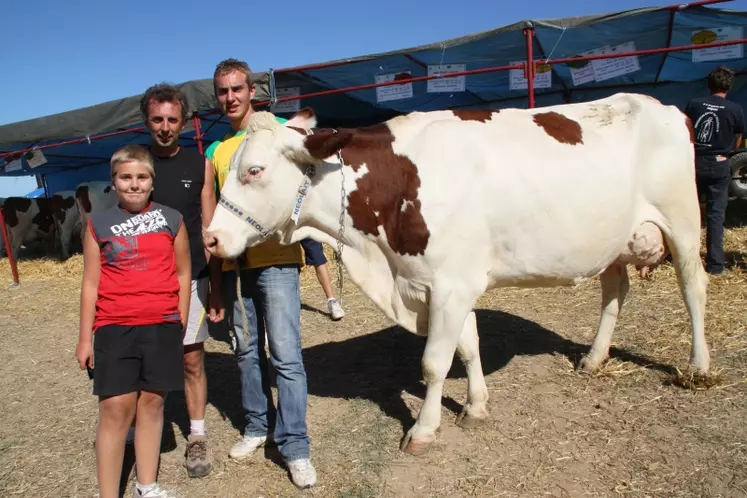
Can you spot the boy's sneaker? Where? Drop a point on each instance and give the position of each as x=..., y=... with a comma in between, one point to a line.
x=199, y=461
x=155, y=492
x=246, y=446
x=335, y=309
x=303, y=473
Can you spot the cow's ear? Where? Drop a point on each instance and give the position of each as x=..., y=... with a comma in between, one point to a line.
x=324, y=144
x=304, y=119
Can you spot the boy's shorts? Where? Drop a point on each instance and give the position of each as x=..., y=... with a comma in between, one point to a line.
x=131, y=358
x=313, y=252
x=197, y=326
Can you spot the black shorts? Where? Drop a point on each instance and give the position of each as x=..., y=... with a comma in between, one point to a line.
x=313, y=252
x=129, y=358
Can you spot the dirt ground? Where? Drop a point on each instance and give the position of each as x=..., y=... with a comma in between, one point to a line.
x=627, y=431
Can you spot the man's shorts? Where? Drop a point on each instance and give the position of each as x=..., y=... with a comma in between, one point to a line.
x=197, y=326
x=131, y=358
x=313, y=252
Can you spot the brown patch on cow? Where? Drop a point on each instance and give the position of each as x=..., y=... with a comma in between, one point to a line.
x=482, y=115
x=81, y=193
x=325, y=143
x=299, y=130
x=559, y=127
x=689, y=124
x=13, y=206
x=387, y=194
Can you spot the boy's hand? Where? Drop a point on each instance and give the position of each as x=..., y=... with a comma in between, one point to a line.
x=216, y=312
x=84, y=354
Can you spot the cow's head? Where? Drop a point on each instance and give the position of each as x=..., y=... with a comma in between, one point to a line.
x=266, y=174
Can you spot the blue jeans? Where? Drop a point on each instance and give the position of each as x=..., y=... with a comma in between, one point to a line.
x=272, y=300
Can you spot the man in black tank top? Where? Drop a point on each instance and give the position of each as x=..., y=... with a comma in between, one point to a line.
x=718, y=125
x=185, y=181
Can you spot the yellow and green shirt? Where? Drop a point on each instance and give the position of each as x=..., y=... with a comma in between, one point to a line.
x=267, y=253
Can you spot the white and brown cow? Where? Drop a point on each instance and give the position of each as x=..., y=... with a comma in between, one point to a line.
x=92, y=197
x=440, y=207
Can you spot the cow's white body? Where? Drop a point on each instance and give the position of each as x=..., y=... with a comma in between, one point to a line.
x=506, y=204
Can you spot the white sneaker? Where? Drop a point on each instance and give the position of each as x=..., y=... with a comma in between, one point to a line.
x=303, y=474
x=155, y=492
x=246, y=446
x=335, y=309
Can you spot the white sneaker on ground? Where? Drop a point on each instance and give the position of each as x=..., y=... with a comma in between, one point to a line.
x=303, y=473
x=246, y=446
x=335, y=309
x=155, y=492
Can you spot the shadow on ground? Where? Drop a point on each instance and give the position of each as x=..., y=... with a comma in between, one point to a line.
x=380, y=365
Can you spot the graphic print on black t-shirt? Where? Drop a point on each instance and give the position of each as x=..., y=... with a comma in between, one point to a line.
x=716, y=122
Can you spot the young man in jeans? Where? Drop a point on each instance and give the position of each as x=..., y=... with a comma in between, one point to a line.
x=718, y=127
x=271, y=301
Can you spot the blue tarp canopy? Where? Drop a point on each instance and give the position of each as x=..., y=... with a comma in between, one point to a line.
x=674, y=78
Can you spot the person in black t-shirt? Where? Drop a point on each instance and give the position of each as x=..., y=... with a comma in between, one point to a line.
x=185, y=181
x=718, y=125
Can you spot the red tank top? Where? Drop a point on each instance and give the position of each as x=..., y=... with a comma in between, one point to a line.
x=138, y=283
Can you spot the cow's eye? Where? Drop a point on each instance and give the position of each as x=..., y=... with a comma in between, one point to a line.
x=255, y=171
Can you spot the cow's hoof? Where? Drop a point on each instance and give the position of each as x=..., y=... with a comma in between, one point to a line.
x=588, y=365
x=468, y=419
x=416, y=447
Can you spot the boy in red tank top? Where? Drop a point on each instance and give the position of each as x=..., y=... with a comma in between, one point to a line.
x=133, y=310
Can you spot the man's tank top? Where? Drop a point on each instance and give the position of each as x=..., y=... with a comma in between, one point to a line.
x=138, y=283
x=178, y=185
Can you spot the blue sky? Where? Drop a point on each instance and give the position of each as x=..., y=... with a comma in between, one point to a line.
x=63, y=55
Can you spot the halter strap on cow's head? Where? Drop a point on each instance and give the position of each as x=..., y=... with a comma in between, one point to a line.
x=303, y=191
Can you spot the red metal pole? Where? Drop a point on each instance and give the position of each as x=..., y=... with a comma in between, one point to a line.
x=198, y=135
x=6, y=239
x=649, y=51
x=695, y=4
x=529, y=33
x=397, y=82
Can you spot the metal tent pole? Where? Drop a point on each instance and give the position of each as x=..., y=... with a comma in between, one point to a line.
x=198, y=135
x=530, y=68
x=11, y=259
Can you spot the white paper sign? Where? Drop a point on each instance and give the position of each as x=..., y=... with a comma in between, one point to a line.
x=605, y=69
x=583, y=71
x=455, y=84
x=13, y=166
x=717, y=35
x=37, y=159
x=542, y=78
x=290, y=105
x=392, y=92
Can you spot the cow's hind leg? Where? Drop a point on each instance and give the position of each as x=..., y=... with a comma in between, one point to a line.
x=475, y=411
x=693, y=282
x=447, y=313
x=615, y=285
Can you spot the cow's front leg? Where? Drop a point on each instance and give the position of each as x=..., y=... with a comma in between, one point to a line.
x=615, y=285
x=447, y=316
x=475, y=411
